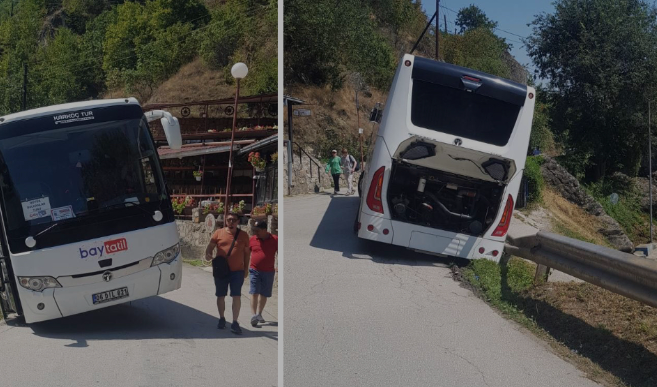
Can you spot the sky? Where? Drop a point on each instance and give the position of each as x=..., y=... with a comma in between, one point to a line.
x=512, y=16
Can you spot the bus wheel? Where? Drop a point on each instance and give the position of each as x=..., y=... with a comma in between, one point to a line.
x=360, y=184
x=7, y=303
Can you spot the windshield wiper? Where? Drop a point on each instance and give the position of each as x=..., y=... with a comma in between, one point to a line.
x=45, y=230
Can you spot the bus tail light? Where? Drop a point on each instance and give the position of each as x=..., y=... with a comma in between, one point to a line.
x=503, y=227
x=37, y=284
x=167, y=255
x=374, y=194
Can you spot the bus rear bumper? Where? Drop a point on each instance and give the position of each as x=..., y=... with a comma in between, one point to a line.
x=62, y=302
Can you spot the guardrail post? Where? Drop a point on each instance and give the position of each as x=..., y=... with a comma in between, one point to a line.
x=542, y=274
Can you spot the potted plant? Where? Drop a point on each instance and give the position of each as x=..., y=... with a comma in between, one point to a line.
x=259, y=212
x=257, y=162
x=238, y=208
x=179, y=204
x=274, y=157
x=198, y=175
x=268, y=209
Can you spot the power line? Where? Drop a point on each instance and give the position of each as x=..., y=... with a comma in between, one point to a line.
x=494, y=29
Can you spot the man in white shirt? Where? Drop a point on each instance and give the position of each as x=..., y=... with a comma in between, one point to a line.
x=348, y=163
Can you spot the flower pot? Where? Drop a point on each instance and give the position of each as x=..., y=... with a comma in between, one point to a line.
x=198, y=178
x=259, y=170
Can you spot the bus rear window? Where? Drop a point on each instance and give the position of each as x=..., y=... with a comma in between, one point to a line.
x=464, y=114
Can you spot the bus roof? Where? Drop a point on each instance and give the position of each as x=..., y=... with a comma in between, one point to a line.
x=66, y=108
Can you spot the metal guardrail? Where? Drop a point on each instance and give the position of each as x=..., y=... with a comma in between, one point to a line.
x=622, y=273
x=319, y=173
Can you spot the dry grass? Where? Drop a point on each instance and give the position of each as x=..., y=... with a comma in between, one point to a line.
x=571, y=220
x=194, y=82
x=614, y=337
x=334, y=110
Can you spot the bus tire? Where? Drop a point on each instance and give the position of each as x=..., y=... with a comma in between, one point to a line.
x=360, y=184
x=7, y=301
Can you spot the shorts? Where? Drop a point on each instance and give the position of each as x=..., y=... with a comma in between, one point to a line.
x=262, y=282
x=235, y=280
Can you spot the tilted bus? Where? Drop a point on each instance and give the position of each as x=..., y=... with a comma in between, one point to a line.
x=447, y=162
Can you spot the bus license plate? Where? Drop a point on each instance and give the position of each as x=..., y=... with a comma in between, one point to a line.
x=110, y=295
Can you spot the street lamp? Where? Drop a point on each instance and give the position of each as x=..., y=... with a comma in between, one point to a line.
x=239, y=71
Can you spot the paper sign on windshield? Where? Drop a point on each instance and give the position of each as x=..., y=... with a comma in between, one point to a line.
x=37, y=208
x=60, y=213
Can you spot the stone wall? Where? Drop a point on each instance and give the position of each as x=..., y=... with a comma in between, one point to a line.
x=306, y=181
x=568, y=186
x=194, y=237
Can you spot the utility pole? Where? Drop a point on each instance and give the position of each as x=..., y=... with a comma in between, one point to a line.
x=24, y=101
x=445, y=16
x=437, y=26
x=650, y=169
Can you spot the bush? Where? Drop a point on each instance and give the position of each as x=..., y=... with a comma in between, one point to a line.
x=534, y=178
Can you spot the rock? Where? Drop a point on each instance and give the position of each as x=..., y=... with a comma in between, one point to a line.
x=568, y=187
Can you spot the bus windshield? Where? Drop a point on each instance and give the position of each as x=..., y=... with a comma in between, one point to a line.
x=78, y=174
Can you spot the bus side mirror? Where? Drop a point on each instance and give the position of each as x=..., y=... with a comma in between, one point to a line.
x=375, y=115
x=170, y=125
x=171, y=128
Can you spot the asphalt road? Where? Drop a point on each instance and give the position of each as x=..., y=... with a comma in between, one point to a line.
x=169, y=340
x=366, y=314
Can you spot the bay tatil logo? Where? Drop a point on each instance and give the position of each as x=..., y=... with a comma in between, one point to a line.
x=109, y=247
x=73, y=117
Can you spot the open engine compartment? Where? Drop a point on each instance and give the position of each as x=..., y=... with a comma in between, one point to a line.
x=442, y=200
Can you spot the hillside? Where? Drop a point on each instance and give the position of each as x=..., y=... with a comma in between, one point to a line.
x=155, y=50
x=364, y=42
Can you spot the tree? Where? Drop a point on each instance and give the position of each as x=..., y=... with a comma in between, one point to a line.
x=472, y=17
x=599, y=55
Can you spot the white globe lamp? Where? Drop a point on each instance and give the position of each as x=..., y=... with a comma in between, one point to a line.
x=239, y=70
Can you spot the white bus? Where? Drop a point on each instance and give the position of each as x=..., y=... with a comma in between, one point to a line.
x=86, y=220
x=447, y=161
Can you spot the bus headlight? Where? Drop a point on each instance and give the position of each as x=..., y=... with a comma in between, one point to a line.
x=167, y=255
x=37, y=284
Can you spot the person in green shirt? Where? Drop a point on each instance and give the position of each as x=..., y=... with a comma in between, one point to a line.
x=333, y=167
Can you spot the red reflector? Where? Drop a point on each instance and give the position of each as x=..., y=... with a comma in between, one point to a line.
x=370, y=228
x=471, y=78
x=503, y=227
x=374, y=194
x=531, y=95
x=408, y=63
x=495, y=252
x=385, y=231
x=359, y=225
x=481, y=250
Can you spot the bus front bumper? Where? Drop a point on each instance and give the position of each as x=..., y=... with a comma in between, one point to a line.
x=67, y=301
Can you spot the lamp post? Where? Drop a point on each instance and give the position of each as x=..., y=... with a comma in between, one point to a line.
x=239, y=71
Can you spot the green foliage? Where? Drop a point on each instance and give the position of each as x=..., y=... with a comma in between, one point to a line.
x=323, y=41
x=598, y=56
x=472, y=17
x=478, y=49
x=221, y=40
x=77, y=49
x=492, y=280
x=541, y=135
x=239, y=32
x=627, y=212
x=534, y=178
